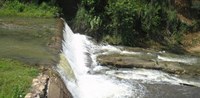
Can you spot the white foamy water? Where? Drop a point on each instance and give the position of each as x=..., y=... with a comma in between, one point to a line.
x=108, y=49
x=181, y=60
x=83, y=82
x=76, y=49
x=150, y=76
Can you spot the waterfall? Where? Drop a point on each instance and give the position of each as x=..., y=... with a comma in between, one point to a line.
x=86, y=79
x=75, y=65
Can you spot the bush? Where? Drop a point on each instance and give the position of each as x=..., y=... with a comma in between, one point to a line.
x=16, y=8
x=86, y=22
x=133, y=20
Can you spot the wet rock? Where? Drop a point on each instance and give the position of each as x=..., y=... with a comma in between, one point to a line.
x=29, y=95
x=131, y=61
x=125, y=62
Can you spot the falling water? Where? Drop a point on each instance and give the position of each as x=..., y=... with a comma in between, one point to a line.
x=78, y=51
x=86, y=79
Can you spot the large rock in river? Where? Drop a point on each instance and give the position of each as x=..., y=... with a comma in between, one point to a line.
x=141, y=61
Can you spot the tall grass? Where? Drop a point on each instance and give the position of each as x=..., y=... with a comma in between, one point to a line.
x=16, y=8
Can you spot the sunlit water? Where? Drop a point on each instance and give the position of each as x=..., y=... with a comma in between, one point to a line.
x=86, y=79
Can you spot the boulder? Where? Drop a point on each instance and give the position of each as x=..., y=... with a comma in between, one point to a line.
x=132, y=61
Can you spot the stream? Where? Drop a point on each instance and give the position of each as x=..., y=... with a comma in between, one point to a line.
x=86, y=78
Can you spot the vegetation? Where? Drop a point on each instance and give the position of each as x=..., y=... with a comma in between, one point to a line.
x=27, y=9
x=131, y=22
x=15, y=78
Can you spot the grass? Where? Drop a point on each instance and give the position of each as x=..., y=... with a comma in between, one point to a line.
x=15, y=78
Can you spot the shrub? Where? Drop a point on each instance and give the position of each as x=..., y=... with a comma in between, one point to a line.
x=86, y=22
x=16, y=8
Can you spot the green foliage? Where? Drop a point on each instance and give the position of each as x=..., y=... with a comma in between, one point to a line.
x=1, y=3
x=196, y=25
x=16, y=8
x=88, y=2
x=129, y=20
x=15, y=78
x=113, y=39
x=132, y=21
x=151, y=19
x=86, y=22
x=196, y=4
x=82, y=19
x=121, y=15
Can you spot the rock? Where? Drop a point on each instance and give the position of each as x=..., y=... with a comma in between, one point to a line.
x=44, y=79
x=37, y=96
x=35, y=82
x=29, y=95
x=41, y=88
x=125, y=62
x=38, y=88
x=130, y=61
